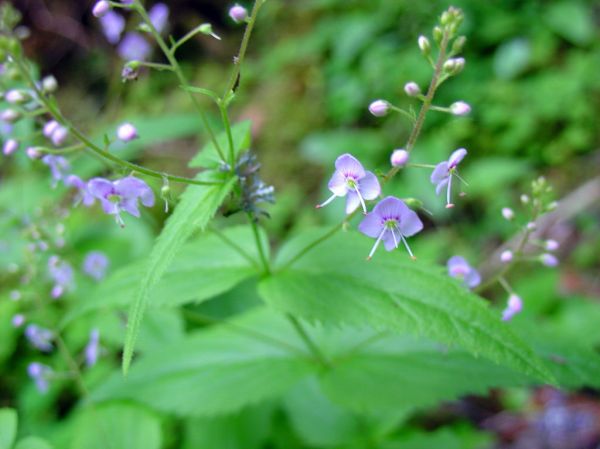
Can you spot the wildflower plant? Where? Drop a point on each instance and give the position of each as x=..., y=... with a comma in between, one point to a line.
x=360, y=338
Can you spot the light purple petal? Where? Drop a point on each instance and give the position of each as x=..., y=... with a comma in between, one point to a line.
x=133, y=188
x=456, y=157
x=349, y=166
x=352, y=202
x=458, y=266
x=410, y=223
x=371, y=225
x=134, y=47
x=473, y=278
x=388, y=240
x=108, y=206
x=159, y=14
x=391, y=208
x=369, y=186
x=440, y=173
x=113, y=25
x=130, y=205
x=441, y=185
x=337, y=184
x=101, y=188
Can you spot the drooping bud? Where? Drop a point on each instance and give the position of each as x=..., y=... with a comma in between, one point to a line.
x=206, y=28
x=49, y=84
x=412, y=89
x=127, y=132
x=460, y=108
x=10, y=146
x=506, y=256
x=238, y=13
x=131, y=71
x=551, y=245
x=508, y=213
x=399, y=157
x=424, y=45
x=100, y=8
x=379, y=108
x=549, y=260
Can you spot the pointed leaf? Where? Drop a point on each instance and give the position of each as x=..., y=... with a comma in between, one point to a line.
x=8, y=427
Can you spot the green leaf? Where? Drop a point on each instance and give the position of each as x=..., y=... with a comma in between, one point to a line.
x=205, y=267
x=197, y=206
x=208, y=156
x=117, y=426
x=8, y=427
x=572, y=20
x=33, y=443
x=334, y=284
x=219, y=370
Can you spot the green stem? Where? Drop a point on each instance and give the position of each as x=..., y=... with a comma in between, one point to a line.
x=227, y=124
x=310, y=344
x=156, y=66
x=62, y=347
x=259, y=246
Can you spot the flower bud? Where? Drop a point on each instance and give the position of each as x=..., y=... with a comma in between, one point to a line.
x=10, y=146
x=15, y=96
x=33, y=153
x=458, y=44
x=531, y=226
x=506, y=256
x=454, y=65
x=127, y=132
x=513, y=306
x=549, y=260
x=524, y=199
x=10, y=115
x=206, y=28
x=551, y=245
x=50, y=127
x=424, y=45
x=49, y=84
x=438, y=34
x=460, y=108
x=238, y=13
x=131, y=71
x=100, y=8
x=508, y=213
x=379, y=108
x=412, y=89
x=413, y=203
x=18, y=320
x=59, y=136
x=399, y=157
x=552, y=206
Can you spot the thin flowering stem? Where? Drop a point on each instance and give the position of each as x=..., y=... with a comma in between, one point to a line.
x=259, y=246
x=227, y=124
x=505, y=285
x=156, y=66
x=89, y=145
x=428, y=166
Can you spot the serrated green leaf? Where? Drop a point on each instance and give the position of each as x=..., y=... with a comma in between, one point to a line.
x=334, y=284
x=197, y=206
x=219, y=370
x=33, y=443
x=117, y=426
x=208, y=156
x=205, y=267
x=8, y=427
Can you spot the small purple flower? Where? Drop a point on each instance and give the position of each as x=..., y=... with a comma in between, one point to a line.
x=508, y=213
x=391, y=221
x=95, y=265
x=83, y=194
x=50, y=127
x=101, y=8
x=159, y=15
x=39, y=337
x=33, y=153
x=121, y=195
x=15, y=96
x=399, y=158
x=238, y=13
x=444, y=171
x=61, y=272
x=551, y=245
x=59, y=135
x=412, y=89
x=379, y=108
x=113, y=25
x=513, y=306
x=352, y=181
x=59, y=167
x=549, y=260
x=18, y=320
x=40, y=374
x=506, y=256
x=10, y=146
x=459, y=268
x=134, y=47
x=10, y=115
x=127, y=132
x=92, y=349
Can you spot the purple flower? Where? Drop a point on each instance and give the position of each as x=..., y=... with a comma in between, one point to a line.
x=412, y=89
x=513, y=306
x=379, y=108
x=49, y=127
x=95, y=265
x=121, y=195
x=352, y=181
x=92, y=349
x=127, y=132
x=550, y=260
x=508, y=213
x=134, y=47
x=10, y=146
x=10, y=115
x=460, y=108
x=506, y=256
x=33, y=153
x=159, y=15
x=399, y=158
x=459, y=268
x=551, y=245
x=61, y=273
x=39, y=337
x=18, y=320
x=444, y=171
x=59, y=135
x=40, y=374
x=100, y=8
x=59, y=167
x=391, y=221
x=238, y=13
x=83, y=194
x=113, y=25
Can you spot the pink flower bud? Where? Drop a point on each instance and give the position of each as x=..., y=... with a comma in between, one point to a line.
x=50, y=127
x=508, y=213
x=399, y=158
x=514, y=306
x=238, y=13
x=100, y=8
x=10, y=115
x=506, y=256
x=412, y=89
x=59, y=136
x=549, y=260
x=32, y=153
x=551, y=245
x=127, y=132
x=379, y=108
x=10, y=146
x=460, y=108
x=15, y=96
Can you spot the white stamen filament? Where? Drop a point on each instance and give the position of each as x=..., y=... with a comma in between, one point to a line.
x=362, y=202
x=376, y=244
x=329, y=200
x=394, y=235
x=412, y=256
x=448, y=203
